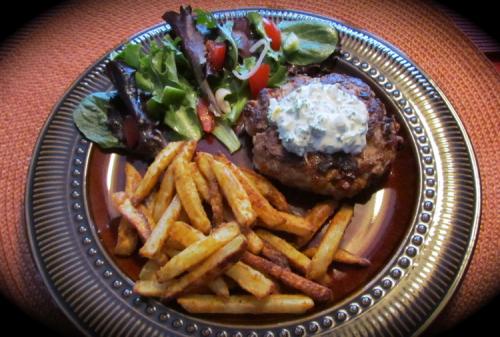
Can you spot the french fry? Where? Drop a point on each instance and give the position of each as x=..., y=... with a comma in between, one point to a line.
x=198, y=251
x=275, y=256
x=162, y=160
x=150, y=288
x=251, y=280
x=219, y=287
x=200, y=182
x=294, y=224
x=296, y=258
x=248, y=278
x=160, y=233
x=184, y=234
x=266, y=213
x=127, y=238
x=255, y=244
x=316, y=291
x=126, y=241
x=190, y=199
x=235, y=194
x=132, y=214
x=316, y=218
x=165, y=193
x=275, y=197
x=147, y=213
x=342, y=256
x=330, y=242
x=203, y=162
x=245, y=304
x=148, y=271
x=209, y=269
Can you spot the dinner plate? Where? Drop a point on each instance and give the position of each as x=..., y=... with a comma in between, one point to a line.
x=429, y=204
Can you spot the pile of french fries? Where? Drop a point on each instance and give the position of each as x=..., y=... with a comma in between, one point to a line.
x=234, y=258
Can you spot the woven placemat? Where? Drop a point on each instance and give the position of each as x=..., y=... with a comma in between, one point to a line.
x=44, y=58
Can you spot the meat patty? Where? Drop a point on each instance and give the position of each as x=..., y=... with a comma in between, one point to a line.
x=339, y=175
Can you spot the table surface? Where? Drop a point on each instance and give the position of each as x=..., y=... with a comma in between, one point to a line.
x=48, y=48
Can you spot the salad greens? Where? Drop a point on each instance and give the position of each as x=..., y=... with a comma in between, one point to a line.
x=307, y=42
x=159, y=88
x=91, y=118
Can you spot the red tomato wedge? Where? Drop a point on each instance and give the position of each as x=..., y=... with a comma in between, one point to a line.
x=273, y=32
x=205, y=116
x=259, y=80
x=216, y=54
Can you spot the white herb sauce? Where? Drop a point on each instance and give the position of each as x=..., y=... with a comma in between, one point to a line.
x=320, y=118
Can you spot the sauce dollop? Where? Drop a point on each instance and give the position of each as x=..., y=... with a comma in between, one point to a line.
x=320, y=118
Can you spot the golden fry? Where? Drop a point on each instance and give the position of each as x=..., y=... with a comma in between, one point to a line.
x=314, y=290
x=165, y=193
x=275, y=197
x=132, y=214
x=162, y=160
x=184, y=234
x=251, y=280
x=198, y=251
x=330, y=243
x=160, y=232
x=200, y=182
x=316, y=218
x=132, y=179
x=266, y=213
x=127, y=239
x=215, y=197
x=219, y=287
x=245, y=304
x=255, y=244
x=148, y=271
x=296, y=258
x=150, y=288
x=209, y=269
x=294, y=224
x=235, y=194
x=190, y=199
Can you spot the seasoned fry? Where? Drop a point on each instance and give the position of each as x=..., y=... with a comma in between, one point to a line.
x=203, y=162
x=190, y=199
x=184, y=234
x=316, y=218
x=219, y=287
x=316, y=291
x=148, y=271
x=126, y=241
x=165, y=193
x=275, y=256
x=150, y=288
x=209, y=269
x=245, y=304
x=162, y=160
x=235, y=194
x=147, y=213
x=330, y=243
x=200, y=182
x=275, y=197
x=132, y=214
x=296, y=258
x=294, y=224
x=342, y=256
x=266, y=213
x=160, y=233
x=198, y=251
x=255, y=244
x=251, y=280
x=127, y=238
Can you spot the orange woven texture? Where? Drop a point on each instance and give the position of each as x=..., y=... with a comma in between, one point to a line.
x=43, y=59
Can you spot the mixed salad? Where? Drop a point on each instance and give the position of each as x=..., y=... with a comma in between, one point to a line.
x=196, y=79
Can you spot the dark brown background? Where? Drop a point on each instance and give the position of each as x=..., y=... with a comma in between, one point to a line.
x=18, y=13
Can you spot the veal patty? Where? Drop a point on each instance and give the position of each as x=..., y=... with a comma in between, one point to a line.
x=339, y=175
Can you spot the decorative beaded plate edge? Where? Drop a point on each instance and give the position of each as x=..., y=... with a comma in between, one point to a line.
x=401, y=300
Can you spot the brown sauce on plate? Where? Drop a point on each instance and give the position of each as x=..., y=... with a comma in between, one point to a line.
x=381, y=218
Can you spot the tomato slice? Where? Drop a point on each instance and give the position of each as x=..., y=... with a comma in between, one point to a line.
x=273, y=32
x=259, y=80
x=206, y=118
x=216, y=54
